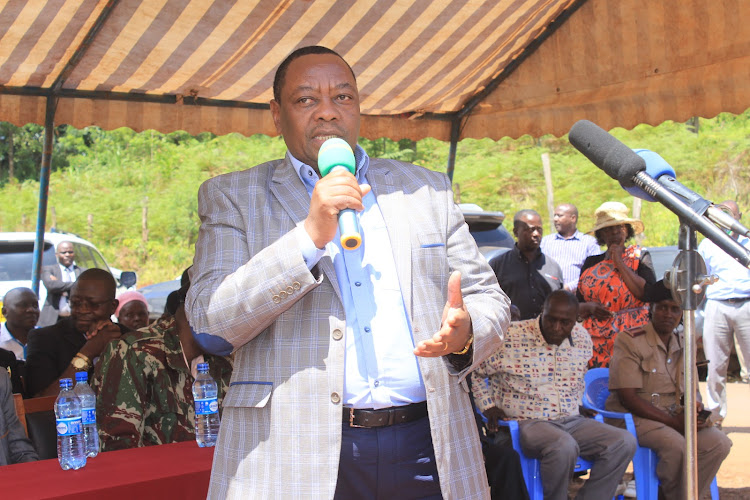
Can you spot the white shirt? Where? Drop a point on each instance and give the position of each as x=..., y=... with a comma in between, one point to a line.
x=10, y=343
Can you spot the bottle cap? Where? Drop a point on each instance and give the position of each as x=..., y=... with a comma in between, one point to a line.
x=82, y=377
x=202, y=367
x=66, y=382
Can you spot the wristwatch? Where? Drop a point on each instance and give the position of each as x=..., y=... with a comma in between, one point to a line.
x=81, y=362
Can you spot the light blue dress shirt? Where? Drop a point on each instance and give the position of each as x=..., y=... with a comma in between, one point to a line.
x=734, y=278
x=381, y=369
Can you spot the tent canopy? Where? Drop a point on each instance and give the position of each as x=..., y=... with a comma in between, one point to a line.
x=477, y=68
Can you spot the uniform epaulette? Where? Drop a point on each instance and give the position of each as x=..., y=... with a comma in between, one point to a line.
x=636, y=332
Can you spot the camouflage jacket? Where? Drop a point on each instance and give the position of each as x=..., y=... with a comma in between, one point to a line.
x=144, y=389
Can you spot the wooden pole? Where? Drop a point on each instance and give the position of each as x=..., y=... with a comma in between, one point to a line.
x=637, y=205
x=550, y=193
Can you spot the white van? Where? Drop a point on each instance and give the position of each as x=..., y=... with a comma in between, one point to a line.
x=17, y=256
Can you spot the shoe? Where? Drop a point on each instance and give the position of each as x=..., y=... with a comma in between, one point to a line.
x=630, y=489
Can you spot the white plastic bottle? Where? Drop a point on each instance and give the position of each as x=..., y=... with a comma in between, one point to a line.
x=205, y=394
x=71, y=450
x=88, y=413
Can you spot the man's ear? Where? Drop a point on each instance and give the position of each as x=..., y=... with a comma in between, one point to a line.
x=276, y=114
x=115, y=303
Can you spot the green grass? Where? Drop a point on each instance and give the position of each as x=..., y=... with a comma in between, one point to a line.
x=121, y=171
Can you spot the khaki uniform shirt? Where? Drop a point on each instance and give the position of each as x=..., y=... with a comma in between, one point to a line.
x=641, y=361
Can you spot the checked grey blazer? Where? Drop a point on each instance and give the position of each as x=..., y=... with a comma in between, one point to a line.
x=252, y=294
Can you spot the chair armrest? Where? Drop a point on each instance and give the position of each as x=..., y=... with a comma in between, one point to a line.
x=515, y=435
x=627, y=417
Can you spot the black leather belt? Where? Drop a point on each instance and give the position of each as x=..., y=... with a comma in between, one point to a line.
x=736, y=300
x=386, y=416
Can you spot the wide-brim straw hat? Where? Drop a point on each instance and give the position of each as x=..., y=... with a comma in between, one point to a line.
x=614, y=213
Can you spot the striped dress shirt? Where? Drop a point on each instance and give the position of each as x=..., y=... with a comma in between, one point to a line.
x=570, y=254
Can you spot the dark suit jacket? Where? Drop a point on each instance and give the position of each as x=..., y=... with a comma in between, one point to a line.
x=55, y=289
x=49, y=352
x=8, y=361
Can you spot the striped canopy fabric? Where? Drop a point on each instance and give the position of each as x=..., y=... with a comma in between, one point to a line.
x=490, y=68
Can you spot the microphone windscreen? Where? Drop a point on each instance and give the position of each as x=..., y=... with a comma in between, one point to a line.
x=335, y=152
x=606, y=152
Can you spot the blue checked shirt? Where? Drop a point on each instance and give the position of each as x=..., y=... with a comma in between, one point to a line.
x=570, y=254
x=381, y=369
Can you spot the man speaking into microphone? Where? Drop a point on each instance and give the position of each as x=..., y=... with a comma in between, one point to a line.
x=349, y=361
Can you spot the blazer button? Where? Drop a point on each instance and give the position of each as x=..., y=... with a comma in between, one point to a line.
x=276, y=299
x=296, y=285
x=289, y=290
x=337, y=334
x=335, y=398
x=282, y=294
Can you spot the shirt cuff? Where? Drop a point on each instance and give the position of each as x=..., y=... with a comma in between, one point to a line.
x=310, y=253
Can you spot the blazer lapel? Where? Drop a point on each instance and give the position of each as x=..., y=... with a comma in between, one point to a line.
x=292, y=195
x=391, y=202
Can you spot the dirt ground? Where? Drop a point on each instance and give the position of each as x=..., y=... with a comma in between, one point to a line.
x=734, y=475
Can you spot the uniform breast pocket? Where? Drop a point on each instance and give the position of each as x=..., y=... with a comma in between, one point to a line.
x=655, y=377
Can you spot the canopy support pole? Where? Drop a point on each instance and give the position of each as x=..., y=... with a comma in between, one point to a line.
x=41, y=216
x=455, y=132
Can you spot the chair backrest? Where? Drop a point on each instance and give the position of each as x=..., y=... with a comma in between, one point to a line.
x=597, y=388
x=40, y=420
x=20, y=411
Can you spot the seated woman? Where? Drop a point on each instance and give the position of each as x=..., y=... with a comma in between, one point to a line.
x=646, y=378
x=132, y=311
x=612, y=284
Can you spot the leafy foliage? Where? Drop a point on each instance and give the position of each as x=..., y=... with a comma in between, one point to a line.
x=113, y=175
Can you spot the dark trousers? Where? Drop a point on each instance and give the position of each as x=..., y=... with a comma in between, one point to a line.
x=388, y=463
x=504, y=471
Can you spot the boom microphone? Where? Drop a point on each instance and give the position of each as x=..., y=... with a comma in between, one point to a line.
x=664, y=174
x=626, y=166
x=336, y=154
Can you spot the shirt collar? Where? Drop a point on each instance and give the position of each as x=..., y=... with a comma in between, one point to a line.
x=576, y=236
x=309, y=176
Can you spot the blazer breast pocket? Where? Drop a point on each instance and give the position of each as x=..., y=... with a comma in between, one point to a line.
x=248, y=394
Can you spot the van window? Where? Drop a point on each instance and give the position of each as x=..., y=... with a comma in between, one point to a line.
x=84, y=259
x=16, y=259
x=100, y=262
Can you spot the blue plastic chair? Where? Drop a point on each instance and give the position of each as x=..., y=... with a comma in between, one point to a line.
x=530, y=466
x=645, y=459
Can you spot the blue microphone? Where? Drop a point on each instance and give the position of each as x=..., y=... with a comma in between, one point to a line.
x=335, y=154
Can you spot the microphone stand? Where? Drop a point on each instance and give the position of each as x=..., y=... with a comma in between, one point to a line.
x=687, y=280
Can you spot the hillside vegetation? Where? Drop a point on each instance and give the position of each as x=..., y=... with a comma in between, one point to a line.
x=104, y=179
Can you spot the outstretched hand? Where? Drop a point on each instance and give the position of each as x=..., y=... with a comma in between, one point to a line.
x=455, y=329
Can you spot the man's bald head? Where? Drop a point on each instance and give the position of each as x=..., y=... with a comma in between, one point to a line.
x=105, y=283
x=21, y=310
x=733, y=207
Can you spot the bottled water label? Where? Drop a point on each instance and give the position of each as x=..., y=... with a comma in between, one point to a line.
x=88, y=416
x=206, y=406
x=69, y=426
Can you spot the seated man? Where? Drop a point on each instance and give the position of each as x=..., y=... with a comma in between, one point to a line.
x=144, y=384
x=73, y=343
x=537, y=378
x=21, y=312
x=15, y=447
x=646, y=378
